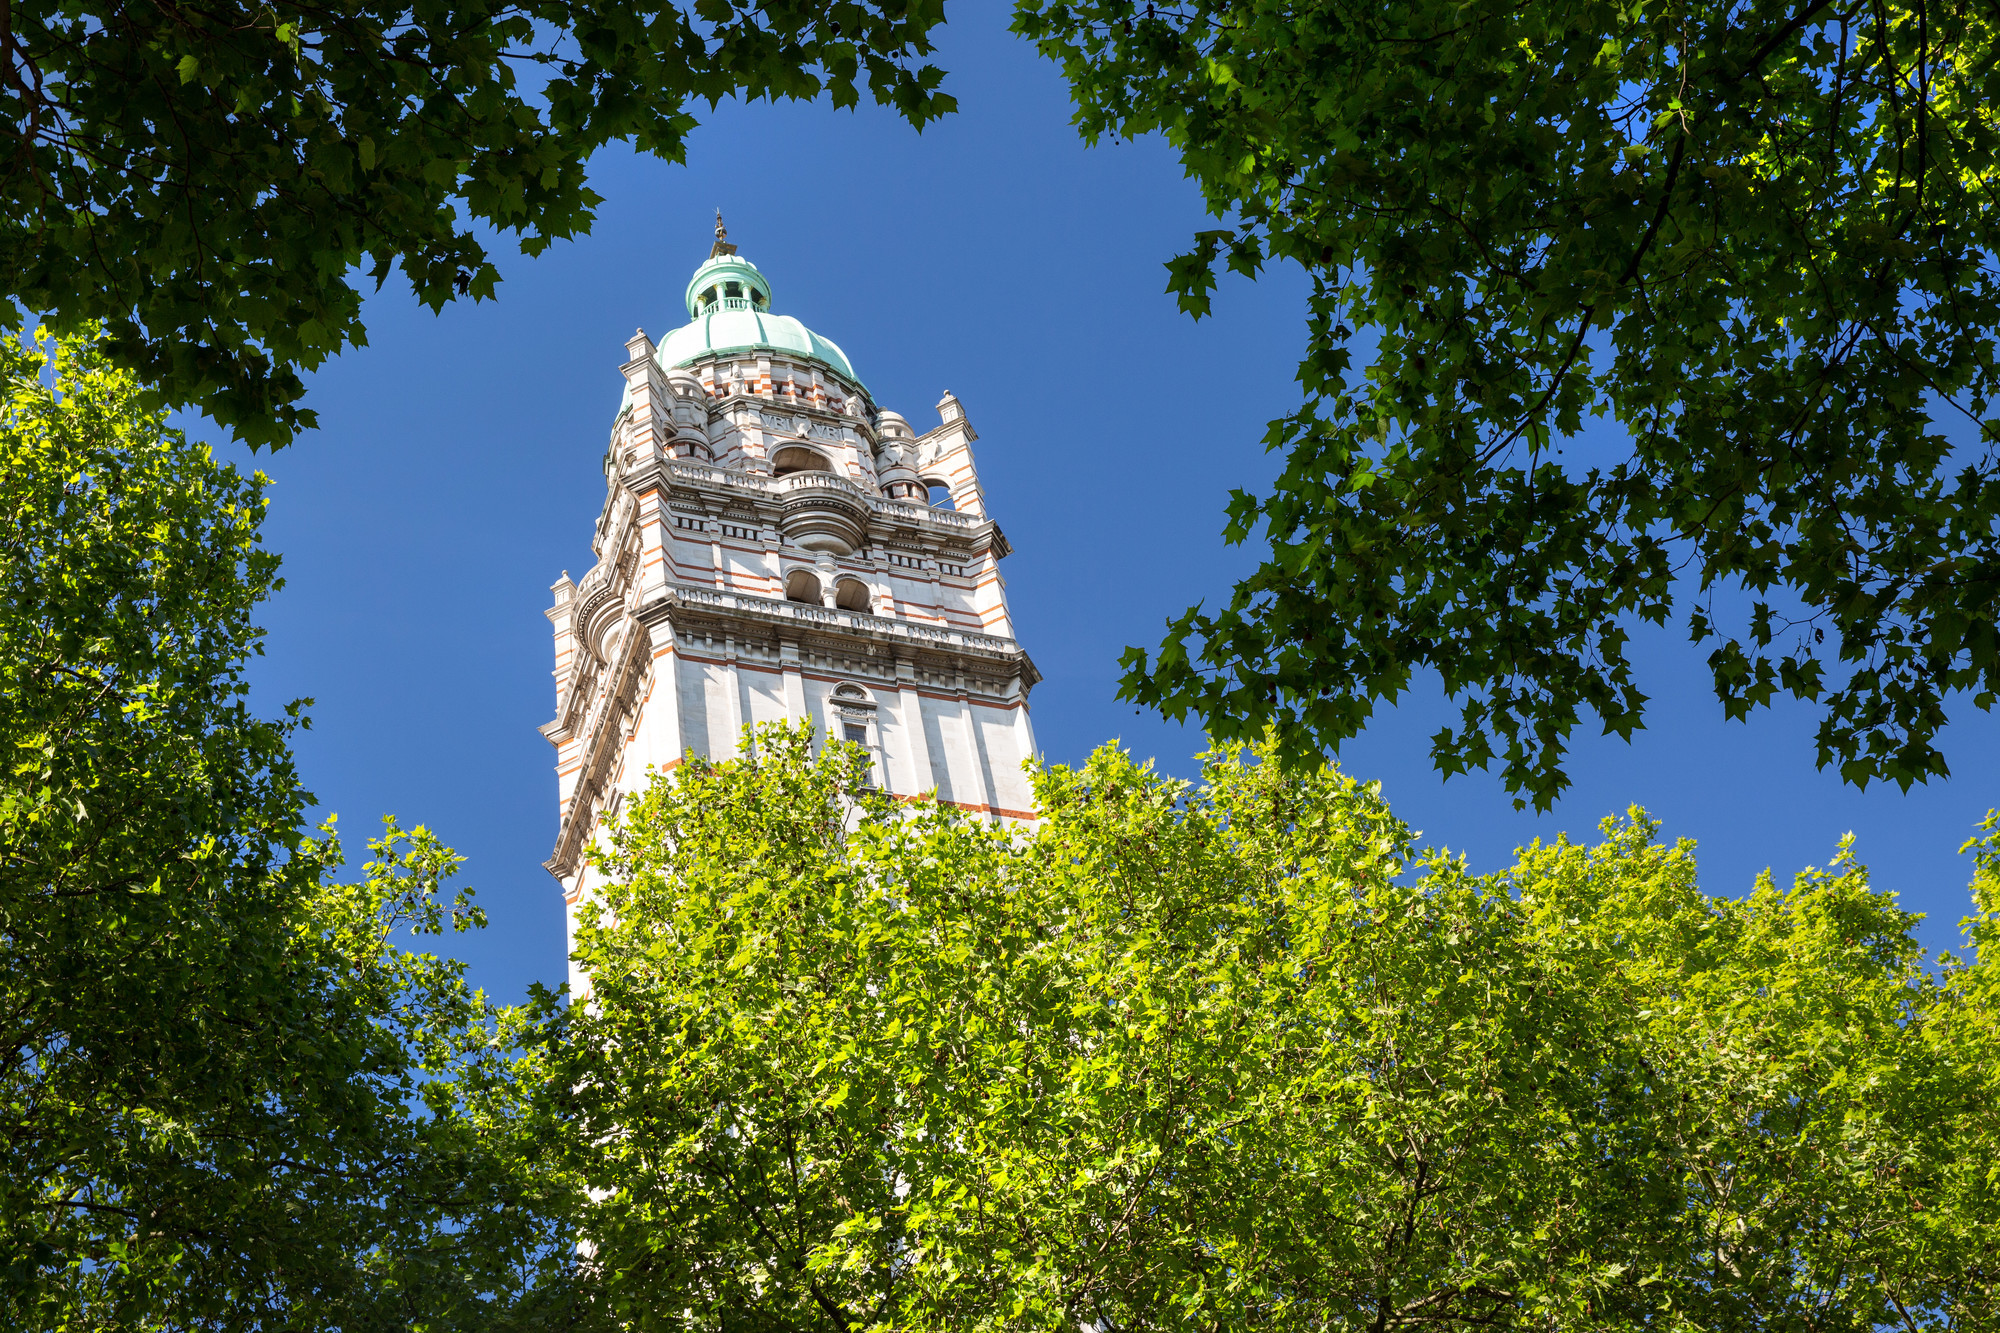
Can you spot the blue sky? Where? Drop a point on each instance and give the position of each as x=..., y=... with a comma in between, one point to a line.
x=456, y=474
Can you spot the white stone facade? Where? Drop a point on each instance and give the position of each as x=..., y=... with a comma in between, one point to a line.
x=767, y=550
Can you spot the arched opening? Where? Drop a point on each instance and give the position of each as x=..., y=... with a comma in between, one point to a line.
x=852, y=595
x=792, y=459
x=852, y=719
x=939, y=493
x=802, y=585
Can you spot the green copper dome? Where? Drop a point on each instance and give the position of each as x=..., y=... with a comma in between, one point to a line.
x=730, y=302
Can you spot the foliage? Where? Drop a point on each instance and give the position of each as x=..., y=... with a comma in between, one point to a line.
x=224, y=1087
x=1236, y=1055
x=1756, y=235
x=205, y=180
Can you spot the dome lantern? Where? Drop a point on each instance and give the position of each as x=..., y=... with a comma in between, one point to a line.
x=726, y=281
x=729, y=306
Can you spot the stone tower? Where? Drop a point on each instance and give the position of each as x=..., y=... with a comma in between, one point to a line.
x=774, y=545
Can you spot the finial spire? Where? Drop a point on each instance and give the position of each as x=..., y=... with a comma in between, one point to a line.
x=722, y=245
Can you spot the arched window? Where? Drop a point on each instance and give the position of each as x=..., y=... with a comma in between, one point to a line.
x=792, y=459
x=852, y=719
x=852, y=595
x=802, y=585
x=940, y=494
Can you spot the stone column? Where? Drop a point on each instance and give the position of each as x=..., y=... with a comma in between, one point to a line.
x=910, y=705
x=884, y=592
x=733, y=684
x=773, y=565
x=794, y=679
x=1024, y=731
x=975, y=748
x=829, y=576
x=660, y=742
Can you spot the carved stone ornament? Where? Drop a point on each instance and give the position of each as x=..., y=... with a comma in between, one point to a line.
x=801, y=426
x=664, y=651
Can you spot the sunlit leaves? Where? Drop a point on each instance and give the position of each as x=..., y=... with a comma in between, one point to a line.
x=208, y=182
x=226, y=1088
x=1755, y=238
x=1237, y=1054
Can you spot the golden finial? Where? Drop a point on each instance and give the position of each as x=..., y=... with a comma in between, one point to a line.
x=722, y=245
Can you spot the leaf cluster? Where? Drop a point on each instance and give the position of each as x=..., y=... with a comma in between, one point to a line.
x=1238, y=1055
x=1756, y=236
x=226, y=1085
x=204, y=180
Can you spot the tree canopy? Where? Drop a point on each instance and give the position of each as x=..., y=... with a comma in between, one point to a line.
x=207, y=181
x=1756, y=237
x=1239, y=1054
x=226, y=1087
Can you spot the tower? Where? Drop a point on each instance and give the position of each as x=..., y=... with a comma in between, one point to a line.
x=773, y=545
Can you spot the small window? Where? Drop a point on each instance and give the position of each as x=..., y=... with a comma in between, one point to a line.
x=857, y=734
x=732, y=289
x=802, y=586
x=852, y=595
x=792, y=459
x=940, y=494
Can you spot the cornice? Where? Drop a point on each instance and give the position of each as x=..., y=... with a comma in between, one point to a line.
x=603, y=731
x=776, y=356
x=774, y=494
x=800, y=618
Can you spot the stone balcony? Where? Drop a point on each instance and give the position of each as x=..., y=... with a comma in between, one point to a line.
x=803, y=616
x=823, y=487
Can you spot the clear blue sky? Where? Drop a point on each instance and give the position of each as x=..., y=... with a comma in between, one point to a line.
x=456, y=474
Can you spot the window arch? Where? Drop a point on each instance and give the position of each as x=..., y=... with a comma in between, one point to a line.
x=802, y=585
x=795, y=458
x=853, y=595
x=939, y=493
x=851, y=717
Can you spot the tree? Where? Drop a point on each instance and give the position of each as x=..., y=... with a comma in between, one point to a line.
x=1239, y=1055
x=204, y=180
x=226, y=1090
x=1753, y=236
